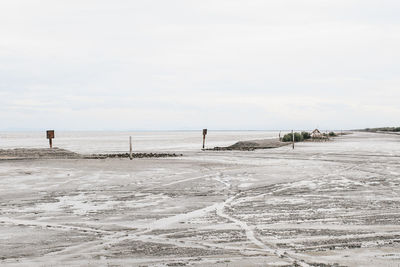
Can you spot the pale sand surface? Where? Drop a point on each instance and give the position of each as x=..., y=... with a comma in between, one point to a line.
x=323, y=203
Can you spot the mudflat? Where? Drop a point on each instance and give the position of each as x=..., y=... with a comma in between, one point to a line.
x=323, y=203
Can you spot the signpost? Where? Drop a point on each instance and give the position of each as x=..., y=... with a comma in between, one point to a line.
x=204, y=137
x=50, y=136
x=293, y=139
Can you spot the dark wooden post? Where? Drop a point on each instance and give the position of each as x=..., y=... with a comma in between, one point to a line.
x=293, y=139
x=204, y=137
x=50, y=136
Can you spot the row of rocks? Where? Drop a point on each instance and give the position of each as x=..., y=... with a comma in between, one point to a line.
x=58, y=153
x=134, y=155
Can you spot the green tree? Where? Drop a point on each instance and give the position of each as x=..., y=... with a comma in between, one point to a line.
x=306, y=135
x=298, y=137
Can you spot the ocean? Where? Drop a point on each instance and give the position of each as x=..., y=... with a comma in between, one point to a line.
x=89, y=142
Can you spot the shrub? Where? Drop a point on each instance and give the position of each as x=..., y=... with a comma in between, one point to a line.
x=306, y=135
x=332, y=134
x=289, y=137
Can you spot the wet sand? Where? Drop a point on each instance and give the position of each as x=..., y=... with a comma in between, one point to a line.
x=322, y=203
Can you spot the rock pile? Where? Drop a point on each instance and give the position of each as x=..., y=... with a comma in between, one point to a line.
x=134, y=155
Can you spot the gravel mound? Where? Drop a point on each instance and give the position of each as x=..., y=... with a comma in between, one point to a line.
x=37, y=153
x=253, y=144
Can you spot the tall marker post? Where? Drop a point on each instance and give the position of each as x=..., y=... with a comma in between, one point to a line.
x=130, y=148
x=204, y=137
x=50, y=136
x=292, y=139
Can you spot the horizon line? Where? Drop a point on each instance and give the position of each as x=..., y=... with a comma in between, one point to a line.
x=171, y=130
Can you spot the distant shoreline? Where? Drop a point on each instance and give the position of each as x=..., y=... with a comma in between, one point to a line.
x=380, y=130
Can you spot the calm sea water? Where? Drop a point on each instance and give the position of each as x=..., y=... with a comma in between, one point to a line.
x=115, y=142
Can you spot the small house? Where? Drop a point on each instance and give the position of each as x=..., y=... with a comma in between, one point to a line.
x=316, y=134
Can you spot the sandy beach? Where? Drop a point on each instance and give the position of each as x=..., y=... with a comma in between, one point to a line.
x=322, y=204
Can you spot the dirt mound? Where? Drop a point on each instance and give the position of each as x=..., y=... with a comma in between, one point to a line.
x=244, y=144
x=254, y=144
x=37, y=153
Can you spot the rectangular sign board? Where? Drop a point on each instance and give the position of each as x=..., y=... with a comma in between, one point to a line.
x=50, y=134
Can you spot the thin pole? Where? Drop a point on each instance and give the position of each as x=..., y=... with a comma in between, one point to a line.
x=204, y=137
x=51, y=142
x=130, y=148
x=293, y=139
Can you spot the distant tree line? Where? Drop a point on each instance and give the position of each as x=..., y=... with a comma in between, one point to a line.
x=383, y=129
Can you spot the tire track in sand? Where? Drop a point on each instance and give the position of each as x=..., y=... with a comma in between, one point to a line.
x=252, y=237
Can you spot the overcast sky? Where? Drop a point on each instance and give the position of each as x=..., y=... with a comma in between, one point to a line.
x=221, y=64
